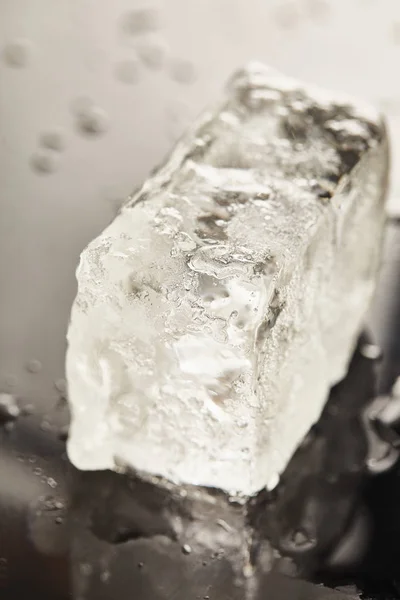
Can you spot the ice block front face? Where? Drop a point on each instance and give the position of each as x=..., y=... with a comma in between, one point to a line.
x=216, y=311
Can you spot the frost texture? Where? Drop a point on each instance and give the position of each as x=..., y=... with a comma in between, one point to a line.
x=216, y=311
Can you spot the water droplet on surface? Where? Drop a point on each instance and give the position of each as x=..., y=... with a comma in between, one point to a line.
x=105, y=576
x=186, y=549
x=152, y=53
x=371, y=351
x=9, y=382
x=9, y=409
x=183, y=71
x=128, y=71
x=53, y=140
x=33, y=365
x=51, y=482
x=63, y=433
x=44, y=162
x=16, y=53
x=287, y=15
x=92, y=121
x=141, y=20
x=61, y=386
x=140, y=565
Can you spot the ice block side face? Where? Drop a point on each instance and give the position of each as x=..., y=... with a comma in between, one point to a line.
x=216, y=311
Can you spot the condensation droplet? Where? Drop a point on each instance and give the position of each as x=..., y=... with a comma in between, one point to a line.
x=61, y=386
x=183, y=71
x=152, y=53
x=186, y=549
x=10, y=381
x=371, y=351
x=92, y=121
x=287, y=15
x=318, y=9
x=44, y=162
x=33, y=365
x=128, y=71
x=63, y=433
x=53, y=140
x=396, y=32
x=105, y=576
x=16, y=53
x=141, y=20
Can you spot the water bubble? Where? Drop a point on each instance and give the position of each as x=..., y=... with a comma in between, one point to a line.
x=92, y=120
x=53, y=140
x=44, y=162
x=16, y=53
x=183, y=71
x=33, y=365
x=186, y=549
x=141, y=20
x=9, y=409
x=152, y=53
x=128, y=71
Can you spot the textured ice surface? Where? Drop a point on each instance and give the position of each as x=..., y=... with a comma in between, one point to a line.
x=216, y=311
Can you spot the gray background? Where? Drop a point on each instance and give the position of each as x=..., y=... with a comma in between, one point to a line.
x=93, y=94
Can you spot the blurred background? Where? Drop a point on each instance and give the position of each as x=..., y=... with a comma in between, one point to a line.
x=93, y=94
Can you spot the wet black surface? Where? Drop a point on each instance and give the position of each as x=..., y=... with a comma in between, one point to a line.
x=356, y=533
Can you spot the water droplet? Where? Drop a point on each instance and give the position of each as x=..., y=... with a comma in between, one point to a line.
x=9, y=382
x=298, y=541
x=183, y=71
x=287, y=15
x=16, y=53
x=152, y=53
x=44, y=162
x=128, y=71
x=371, y=351
x=318, y=9
x=396, y=32
x=141, y=20
x=86, y=569
x=33, y=365
x=9, y=409
x=38, y=471
x=63, y=433
x=105, y=576
x=51, y=482
x=53, y=140
x=61, y=386
x=45, y=426
x=58, y=520
x=186, y=549
x=92, y=121
x=140, y=565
